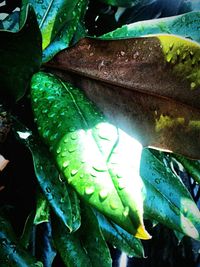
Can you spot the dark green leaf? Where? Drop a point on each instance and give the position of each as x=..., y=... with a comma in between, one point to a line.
x=119, y=238
x=20, y=56
x=93, y=240
x=186, y=25
x=167, y=199
x=58, y=20
x=56, y=192
x=12, y=254
x=90, y=152
x=191, y=166
x=85, y=247
x=69, y=246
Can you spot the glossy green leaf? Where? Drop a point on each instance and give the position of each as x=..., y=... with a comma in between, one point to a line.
x=191, y=166
x=119, y=238
x=58, y=20
x=167, y=199
x=85, y=247
x=12, y=254
x=42, y=213
x=64, y=202
x=185, y=25
x=20, y=56
x=90, y=152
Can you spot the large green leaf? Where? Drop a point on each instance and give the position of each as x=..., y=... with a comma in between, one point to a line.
x=167, y=199
x=86, y=247
x=58, y=20
x=92, y=154
x=185, y=25
x=12, y=254
x=119, y=238
x=147, y=86
x=20, y=56
x=61, y=198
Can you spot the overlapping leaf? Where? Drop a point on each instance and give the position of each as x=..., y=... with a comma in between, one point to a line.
x=85, y=247
x=89, y=151
x=61, y=198
x=12, y=254
x=185, y=25
x=167, y=199
x=147, y=86
x=20, y=56
x=119, y=238
x=58, y=20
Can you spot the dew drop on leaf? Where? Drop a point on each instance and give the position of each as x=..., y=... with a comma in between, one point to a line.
x=103, y=194
x=74, y=172
x=89, y=190
x=65, y=164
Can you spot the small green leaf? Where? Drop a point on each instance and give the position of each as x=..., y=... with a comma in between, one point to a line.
x=27, y=231
x=119, y=238
x=42, y=209
x=167, y=199
x=20, y=56
x=191, y=166
x=64, y=202
x=185, y=25
x=85, y=148
x=11, y=253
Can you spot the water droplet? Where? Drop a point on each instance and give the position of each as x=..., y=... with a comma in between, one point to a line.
x=62, y=200
x=169, y=57
x=74, y=172
x=66, y=164
x=74, y=136
x=171, y=46
x=113, y=205
x=89, y=190
x=126, y=211
x=121, y=184
x=71, y=149
x=65, y=140
x=103, y=194
x=48, y=189
x=157, y=181
x=58, y=150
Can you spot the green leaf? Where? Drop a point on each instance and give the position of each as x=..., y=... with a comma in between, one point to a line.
x=85, y=247
x=42, y=213
x=11, y=253
x=58, y=20
x=27, y=231
x=191, y=166
x=20, y=56
x=89, y=151
x=63, y=201
x=186, y=25
x=167, y=199
x=119, y=238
